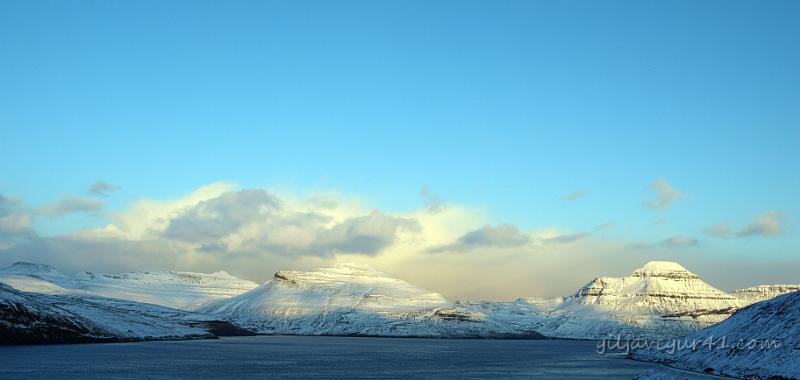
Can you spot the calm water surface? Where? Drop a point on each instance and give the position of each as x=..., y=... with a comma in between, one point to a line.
x=265, y=357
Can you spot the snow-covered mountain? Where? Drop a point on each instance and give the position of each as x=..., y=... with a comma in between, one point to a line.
x=657, y=300
x=661, y=299
x=53, y=318
x=761, y=341
x=351, y=299
x=180, y=290
x=764, y=292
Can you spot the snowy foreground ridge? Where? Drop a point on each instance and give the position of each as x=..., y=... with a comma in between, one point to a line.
x=761, y=341
x=659, y=300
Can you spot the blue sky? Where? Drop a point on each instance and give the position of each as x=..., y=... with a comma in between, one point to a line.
x=502, y=106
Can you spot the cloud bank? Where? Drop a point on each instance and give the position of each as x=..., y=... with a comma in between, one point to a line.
x=253, y=233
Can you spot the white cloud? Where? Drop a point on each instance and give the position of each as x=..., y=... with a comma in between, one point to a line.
x=255, y=220
x=149, y=218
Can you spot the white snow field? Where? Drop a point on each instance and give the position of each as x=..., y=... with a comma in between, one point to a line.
x=180, y=290
x=660, y=299
x=352, y=299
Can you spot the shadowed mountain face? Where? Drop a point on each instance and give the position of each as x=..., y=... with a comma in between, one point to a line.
x=44, y=318
x=25, y=319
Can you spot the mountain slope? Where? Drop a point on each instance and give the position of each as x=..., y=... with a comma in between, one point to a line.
x=760, y=341
x=351, y=299
x=45, y=318
x=180, y=290
x=657, y=300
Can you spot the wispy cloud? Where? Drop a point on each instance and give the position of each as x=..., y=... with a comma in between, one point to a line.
x=566, y=238
x=575, y=196
x=769, y=224
x=665, y=194
x=719, y=230
x=433, y=203
x=679, y=242
x=102, y=188
x=603, y=226
x=572, y=237
x=69, y=205
x=674, y=242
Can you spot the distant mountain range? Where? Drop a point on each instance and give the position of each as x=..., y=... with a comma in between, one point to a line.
x=660, y=299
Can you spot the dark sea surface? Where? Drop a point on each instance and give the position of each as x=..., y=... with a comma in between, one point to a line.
x=265, y=357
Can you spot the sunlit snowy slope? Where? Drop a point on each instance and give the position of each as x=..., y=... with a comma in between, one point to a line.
x=660, y=299
x=181, y=290
x=351, y=299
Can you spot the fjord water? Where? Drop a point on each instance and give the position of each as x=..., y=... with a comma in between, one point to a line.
x=327, y=357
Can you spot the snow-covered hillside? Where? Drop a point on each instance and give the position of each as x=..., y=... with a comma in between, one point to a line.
x=49, y=318
x=660, y=299
x=351, y=299
x=764, y=292
x=761, y=341
x=181, y=290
